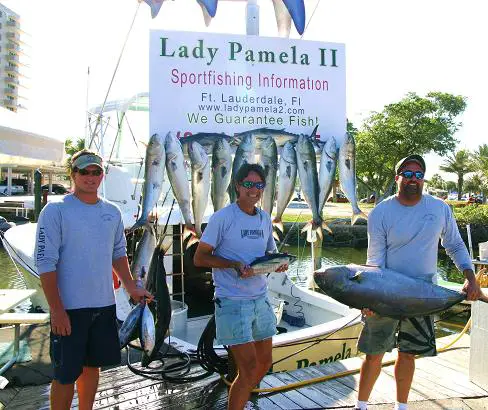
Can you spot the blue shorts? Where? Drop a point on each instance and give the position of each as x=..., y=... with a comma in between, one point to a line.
x=93, y=342
x=241, y=321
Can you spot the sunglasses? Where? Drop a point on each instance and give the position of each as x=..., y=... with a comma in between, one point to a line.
x=84, y=172
x=410, y=174
x=250, y=184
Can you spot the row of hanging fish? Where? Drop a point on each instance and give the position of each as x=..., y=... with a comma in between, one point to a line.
x=213, y=170
x=285, y=12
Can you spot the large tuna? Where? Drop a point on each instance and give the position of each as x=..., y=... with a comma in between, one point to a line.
x=385, y=291
x=327, y=170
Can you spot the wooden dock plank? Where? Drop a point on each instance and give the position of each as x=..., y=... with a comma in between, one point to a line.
x=302, y=402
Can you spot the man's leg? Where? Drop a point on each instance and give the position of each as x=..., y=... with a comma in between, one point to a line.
x=370, y=370
x=61, y=395
x=240, y=390
x=404, y=370
x=264, y=358
x=87, y=385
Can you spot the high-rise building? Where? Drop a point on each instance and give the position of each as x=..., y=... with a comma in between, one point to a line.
x=12, y=61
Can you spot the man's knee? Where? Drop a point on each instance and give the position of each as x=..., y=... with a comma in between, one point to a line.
x=374, y=359
x=407, y=357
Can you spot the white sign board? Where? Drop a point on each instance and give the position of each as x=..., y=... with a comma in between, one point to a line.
x=202, y=82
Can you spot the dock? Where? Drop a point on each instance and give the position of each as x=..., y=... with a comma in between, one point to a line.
x=440, y=382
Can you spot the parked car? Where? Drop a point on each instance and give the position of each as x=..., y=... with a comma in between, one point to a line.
x=58, y=189
x=16, y=189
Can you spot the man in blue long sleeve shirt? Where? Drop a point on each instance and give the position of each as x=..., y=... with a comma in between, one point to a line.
x=79, y=240
x=403, y=235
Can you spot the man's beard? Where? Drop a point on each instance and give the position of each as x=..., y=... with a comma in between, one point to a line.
x=412, y=190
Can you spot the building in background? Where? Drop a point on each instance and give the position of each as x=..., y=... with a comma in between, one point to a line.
x=13, y=81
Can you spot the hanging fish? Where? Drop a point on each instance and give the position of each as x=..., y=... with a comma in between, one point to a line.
x=328, y=162
x=200, y=184
x=347, y=175
x=153, y=177
x=221, y=173
x=245, y=154
x=286, y=182
x=269, y=160
x=176, y=171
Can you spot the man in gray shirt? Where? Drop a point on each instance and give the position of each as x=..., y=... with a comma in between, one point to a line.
x=79, y=240
x=403, y=235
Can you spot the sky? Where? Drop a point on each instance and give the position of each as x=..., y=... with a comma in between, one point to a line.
x=392, y=48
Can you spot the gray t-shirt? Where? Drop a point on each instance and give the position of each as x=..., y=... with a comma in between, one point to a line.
x=406, y=238
x=237, y=236
x=80, y=241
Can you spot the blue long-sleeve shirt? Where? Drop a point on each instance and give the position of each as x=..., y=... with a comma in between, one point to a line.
x=80, y=241
x=406, y=238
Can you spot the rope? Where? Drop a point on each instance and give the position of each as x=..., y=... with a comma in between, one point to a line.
x=311, y=17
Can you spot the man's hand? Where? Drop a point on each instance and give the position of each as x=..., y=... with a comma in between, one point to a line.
x=471, y=286
x=282, y=268
x=60, y=323
x=138, y=294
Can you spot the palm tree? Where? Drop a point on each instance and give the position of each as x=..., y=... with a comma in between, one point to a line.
x=480, y=159
x=70, y=148
x=460, y=164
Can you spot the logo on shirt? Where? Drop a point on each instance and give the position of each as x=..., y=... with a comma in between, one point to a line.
x=429, y=218
x=107, y=217
x=252, y=233
x=41, y=243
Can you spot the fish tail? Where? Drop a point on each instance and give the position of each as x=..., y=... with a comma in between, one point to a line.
x=188, y=230
x=311, y=231
x=327, y=228
x=483, y=298
x=278, y=224
x=276, y=236
x=357, y=215
x=139, y=223
x=194, y=239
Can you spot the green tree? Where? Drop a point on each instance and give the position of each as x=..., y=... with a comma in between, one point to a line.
x=451, y=186
x=413, y=125
x=480, y=159
x=71, y=148
x=437, y=182
x=460, y=164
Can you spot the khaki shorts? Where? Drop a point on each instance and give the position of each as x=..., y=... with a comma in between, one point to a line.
x=381, y=334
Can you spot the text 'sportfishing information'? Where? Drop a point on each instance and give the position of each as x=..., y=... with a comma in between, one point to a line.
x=203, y=82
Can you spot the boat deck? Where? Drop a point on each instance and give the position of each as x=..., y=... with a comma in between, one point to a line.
x=444, y=377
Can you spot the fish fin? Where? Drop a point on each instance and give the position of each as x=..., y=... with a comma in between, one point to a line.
x=278, y=224
x=327, y=228
x=276, y=236
x=356, y=216
x=357, y=277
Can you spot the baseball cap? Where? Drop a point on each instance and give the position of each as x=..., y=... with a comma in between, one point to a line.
x=411, y=158
x=84, y=161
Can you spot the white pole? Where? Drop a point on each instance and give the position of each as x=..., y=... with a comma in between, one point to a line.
x=470, y=243
x=252, y=18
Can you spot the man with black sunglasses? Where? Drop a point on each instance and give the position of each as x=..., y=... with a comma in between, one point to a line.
x=234, y=237
x=403, y=234
x=80, y=239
